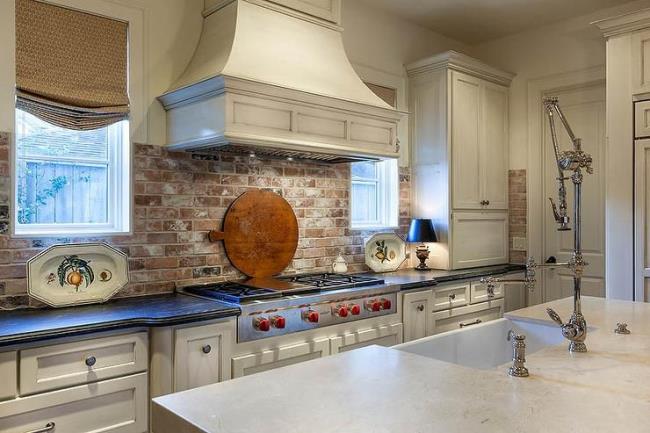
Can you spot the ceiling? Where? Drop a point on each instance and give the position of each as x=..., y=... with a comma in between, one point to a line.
x=474, y=21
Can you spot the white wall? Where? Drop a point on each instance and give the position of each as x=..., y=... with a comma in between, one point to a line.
x=562, y=47
x=171, y=30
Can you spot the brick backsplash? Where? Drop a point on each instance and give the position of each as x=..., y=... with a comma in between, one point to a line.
x=179, y=197
x=518, y=211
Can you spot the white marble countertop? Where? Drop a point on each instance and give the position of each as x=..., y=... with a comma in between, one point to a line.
x=378, y=390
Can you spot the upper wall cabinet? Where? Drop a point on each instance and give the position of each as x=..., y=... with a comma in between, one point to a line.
x=459, y=130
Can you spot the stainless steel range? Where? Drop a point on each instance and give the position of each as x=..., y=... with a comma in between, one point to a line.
x=279, y=306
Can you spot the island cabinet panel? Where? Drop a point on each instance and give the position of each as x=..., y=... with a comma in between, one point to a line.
x=385, y=335
x=8, y=375
x=109, y=406
x=264, y=360
x=417, y=309
x=201, y=355
x=61, y=365
x=452, y=296
x=463, y=317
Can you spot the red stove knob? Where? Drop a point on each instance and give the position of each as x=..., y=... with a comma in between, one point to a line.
x=311, y=316
x=386, y=304
x=262, y=324
x=279, y=322
x=374, y=305
x=341, y=311
x=355, y=310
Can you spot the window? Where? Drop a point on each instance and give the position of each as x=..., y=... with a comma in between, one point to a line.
x=68, y=181
x=375, y=194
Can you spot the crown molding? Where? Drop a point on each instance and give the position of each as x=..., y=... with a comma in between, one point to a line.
x=626, y=23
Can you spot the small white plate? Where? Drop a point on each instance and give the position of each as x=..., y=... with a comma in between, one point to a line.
x=75, y=274
x=385, y=252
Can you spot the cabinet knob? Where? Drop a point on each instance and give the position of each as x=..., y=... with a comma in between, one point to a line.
x=420, y=307
x=90, y=361
x=452, y=297
x=485, y=202
x=206, y=349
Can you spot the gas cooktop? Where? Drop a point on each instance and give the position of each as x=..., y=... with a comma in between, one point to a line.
x=253, y=289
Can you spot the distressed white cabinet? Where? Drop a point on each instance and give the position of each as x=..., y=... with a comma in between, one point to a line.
x=641, y=62
x=479, y=239
x=385, y=335
x=479, y=292
x=61, y=365
x=459, y=128
x=458, y=318
x=112, y=406
x=450, y=296
x=642, y=119
x=186, y=356
x=264, y=360
x=201, y=355
x=416, y=314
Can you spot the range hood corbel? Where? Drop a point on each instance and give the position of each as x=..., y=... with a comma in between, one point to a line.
x=269, y=76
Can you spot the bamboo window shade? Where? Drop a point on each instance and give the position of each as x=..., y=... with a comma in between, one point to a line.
x=71, y=66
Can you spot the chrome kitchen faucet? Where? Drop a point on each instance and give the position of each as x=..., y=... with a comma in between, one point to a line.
x=574, y=161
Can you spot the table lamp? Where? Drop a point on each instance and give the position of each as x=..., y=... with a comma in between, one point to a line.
x=421, y=231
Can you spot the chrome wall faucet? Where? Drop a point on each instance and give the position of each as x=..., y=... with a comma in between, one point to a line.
x=575, y=161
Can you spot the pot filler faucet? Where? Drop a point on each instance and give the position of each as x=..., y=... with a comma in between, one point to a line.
x=573, y=161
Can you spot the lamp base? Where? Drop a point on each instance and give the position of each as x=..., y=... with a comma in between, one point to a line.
x=422, y=253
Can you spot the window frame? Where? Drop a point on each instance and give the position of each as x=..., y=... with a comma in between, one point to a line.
x=137, y=82
x=387, y=197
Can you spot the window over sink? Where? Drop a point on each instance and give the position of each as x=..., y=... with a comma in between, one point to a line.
x=374, y=194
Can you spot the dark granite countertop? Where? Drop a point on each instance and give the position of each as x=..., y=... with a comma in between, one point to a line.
x=24, y=326
x=412, y=279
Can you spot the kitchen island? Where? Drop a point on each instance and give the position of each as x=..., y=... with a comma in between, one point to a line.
x=377, y=389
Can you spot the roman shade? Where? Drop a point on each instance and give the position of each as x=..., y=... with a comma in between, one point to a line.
x=71, y=66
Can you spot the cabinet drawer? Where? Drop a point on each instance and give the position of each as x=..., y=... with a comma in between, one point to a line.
x=111, y=406
x=57, y=366
x=450, y=296
x=479, y=292
x=8, y=373
x=387, y=336
x=279, y=357
x=462, y=317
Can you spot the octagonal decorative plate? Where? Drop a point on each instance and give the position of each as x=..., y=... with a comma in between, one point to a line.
x=75, y=274
x=385, y=252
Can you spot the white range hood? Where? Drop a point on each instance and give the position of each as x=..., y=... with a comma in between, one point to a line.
x=272, y=77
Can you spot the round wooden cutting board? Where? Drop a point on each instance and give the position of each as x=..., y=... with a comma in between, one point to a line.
x=260, y=233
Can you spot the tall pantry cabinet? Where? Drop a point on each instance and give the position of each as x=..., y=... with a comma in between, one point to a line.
x=459, y=129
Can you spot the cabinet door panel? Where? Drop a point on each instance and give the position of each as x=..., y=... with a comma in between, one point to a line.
x=465, y=139
x=387, y=336
x=417, y=311
x=279, y=357
x=479, y=239
x=641, y=62
x=201, y=356
x=494, y=146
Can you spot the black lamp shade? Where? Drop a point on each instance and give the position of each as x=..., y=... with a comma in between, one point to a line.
x=421, y=230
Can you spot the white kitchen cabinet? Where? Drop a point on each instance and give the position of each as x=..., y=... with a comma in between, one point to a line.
x=515, y=294
x=111, y=406
x=9, y=375
x=202, y=355
x=450, y=296
x=459, y=128
x=642, y=119
x=458, y=318
x=279, y=357
x=641, y=62
x=385, y=335
x=479, y=239
x=62, y=365
x=479, y=292
x=416, y=314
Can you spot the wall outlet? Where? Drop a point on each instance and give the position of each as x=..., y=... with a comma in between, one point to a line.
x=519, y=244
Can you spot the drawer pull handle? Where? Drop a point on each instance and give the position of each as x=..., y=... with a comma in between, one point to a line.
x=452, y=297
x=48, y=427
x=90, y=361
x=206, y=349
x=476, y=322
x=420, y=307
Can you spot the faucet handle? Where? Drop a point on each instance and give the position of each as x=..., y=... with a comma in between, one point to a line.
x=621, y=328
x=554, y=316
x=514, y=336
